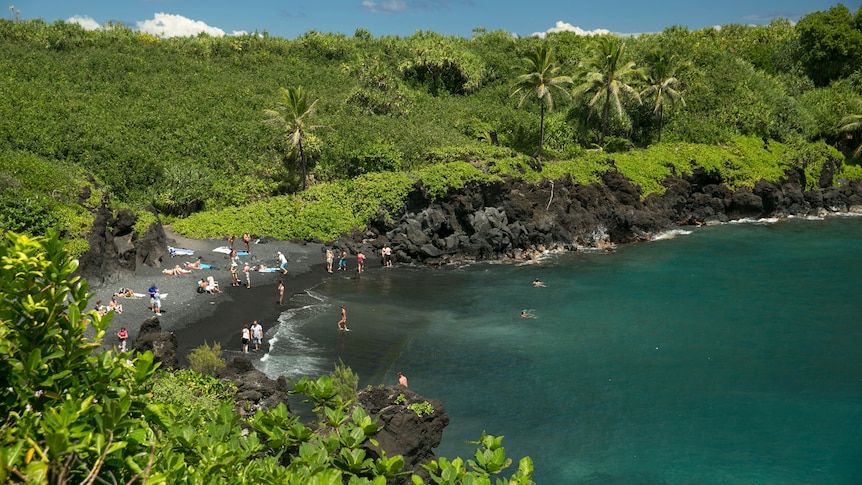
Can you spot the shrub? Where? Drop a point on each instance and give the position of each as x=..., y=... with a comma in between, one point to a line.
x=72, y=414
x=206, y=359
x=345, y=382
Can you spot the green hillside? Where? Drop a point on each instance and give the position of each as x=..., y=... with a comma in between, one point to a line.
x=179, y=123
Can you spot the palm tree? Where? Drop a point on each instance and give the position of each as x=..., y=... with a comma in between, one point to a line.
x=539, y=81
x=291, y=116
x=605, y=75
x=661, y=83
x=851, y=124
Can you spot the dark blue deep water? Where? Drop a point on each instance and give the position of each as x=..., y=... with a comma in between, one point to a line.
x=732, y=354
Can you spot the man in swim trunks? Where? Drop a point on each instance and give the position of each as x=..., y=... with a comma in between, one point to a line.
x=329, y=257
x=282, y=262
x=256, y=335
x=152, y=291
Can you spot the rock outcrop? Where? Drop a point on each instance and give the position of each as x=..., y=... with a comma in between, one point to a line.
x=255, y=391
x=411, y=433
x=163, y=345
x=514, y=220
x=116, y=250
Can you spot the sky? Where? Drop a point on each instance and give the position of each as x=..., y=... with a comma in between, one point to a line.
x=292, y=18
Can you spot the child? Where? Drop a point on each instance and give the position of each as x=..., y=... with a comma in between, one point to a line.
x=122, y=335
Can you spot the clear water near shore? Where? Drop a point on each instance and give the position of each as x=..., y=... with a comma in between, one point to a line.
x=727, y=355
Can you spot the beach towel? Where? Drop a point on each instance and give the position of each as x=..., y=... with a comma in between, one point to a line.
x=263, y=269
x=202, y=266
x=180, y=251
x=226, y=250
x=141, y=295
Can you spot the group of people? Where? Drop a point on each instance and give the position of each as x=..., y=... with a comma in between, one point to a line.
x=155, y=299
x=113, y=306
x=342, y=261
x=253, y=335
x=538, y=284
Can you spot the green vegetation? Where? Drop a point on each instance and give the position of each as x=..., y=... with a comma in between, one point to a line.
x=421, y=408
x=206, y=359
x=219, y=134
x=75, y=414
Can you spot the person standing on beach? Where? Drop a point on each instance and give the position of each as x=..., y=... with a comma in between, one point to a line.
x=402, y=379
x=342, y=261
x=234, y=279
x=360, y=262
x=282, y=262
x=329, y=257
x=246, y=337
x=157, y=303
x=256, y=335
x=246, y=238
x=230, y=240
x=122, y=335
x=152, y=291
x=386, y=255
x=247, y=272
x=280, y=291
x=342, y=324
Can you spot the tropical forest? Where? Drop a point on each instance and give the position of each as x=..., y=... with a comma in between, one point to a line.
x=312, y=138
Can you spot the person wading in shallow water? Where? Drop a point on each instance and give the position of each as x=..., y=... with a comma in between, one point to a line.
x=280, y=291
x=342, y=324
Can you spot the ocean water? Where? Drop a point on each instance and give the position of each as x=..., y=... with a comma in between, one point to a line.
x=728, y=354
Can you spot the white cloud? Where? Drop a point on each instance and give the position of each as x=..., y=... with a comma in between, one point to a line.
x=566, y=27
x=84, y=21
x=168, y=25
x=385, y=6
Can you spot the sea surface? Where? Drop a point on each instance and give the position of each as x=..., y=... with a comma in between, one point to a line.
x=728, y=354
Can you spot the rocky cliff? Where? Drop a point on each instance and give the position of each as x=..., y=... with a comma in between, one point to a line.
x=514, y=220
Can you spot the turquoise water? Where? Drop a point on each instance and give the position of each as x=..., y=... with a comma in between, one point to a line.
x=727, y=355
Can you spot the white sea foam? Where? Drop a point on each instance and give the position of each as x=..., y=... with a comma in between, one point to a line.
x=670, y=234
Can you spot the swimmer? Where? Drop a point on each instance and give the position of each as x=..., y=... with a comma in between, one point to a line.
x=524, y=314
x=538, y=283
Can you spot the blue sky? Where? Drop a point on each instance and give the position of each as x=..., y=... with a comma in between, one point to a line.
x=292, y=18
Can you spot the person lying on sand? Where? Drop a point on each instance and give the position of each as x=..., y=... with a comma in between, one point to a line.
x=125, y=293
x=198, y=265
x=176, y=271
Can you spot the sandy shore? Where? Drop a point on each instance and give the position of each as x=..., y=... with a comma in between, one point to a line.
x=197, y=318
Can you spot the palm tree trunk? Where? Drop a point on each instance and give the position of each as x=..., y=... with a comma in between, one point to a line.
x=302, y=164
x=660, y=116
x=541, y=130
x=605, y=117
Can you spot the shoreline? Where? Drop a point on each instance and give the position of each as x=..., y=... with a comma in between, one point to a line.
x=197, y=318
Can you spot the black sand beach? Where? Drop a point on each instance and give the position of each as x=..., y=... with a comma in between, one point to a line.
x=197, y=318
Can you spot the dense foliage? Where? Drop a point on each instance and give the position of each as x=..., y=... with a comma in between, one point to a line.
x=189, y=125
x=75, y=414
